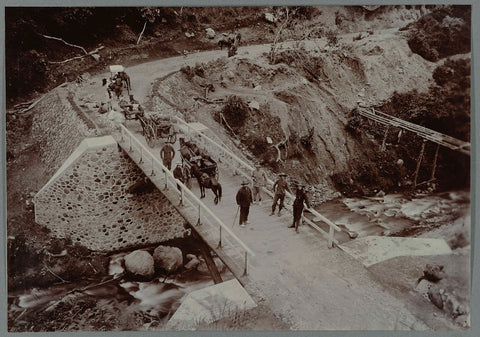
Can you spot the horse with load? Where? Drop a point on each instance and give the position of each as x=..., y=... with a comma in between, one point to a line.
x=201, y=166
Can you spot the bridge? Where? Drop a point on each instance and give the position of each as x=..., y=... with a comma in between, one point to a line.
x=426, y=134
x=299, y=276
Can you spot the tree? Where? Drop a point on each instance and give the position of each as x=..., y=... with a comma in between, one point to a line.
x=149, y=14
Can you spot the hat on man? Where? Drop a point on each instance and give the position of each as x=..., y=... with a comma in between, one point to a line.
x=179, y=164
x=258, y=165
x=245, y=182
x=282, y=174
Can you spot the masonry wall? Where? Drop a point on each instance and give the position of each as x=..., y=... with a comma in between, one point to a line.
x=89, y=202
x=58, y=128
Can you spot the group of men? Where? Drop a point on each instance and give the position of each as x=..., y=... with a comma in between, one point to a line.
x=245, y=197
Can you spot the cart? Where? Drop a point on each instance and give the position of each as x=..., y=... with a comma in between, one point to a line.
x=190, y=153
x=115, y=69
x=155, y=127
x=132, y=111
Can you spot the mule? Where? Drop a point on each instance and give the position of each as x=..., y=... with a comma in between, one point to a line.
x=206, y=181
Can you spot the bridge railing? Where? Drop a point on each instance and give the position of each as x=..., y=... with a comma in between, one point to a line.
x=186, y=196
x=222, y=154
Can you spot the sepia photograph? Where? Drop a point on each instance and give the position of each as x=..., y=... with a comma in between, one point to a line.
x=238, y=168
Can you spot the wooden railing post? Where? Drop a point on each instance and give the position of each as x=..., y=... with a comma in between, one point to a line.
x=153, y=171
x=181, y=195
x=435, y=162
x=166, y=181
x=198, y=222
x=384, y=142
x=245, y=273
x=419, y=162
x=220, y=240
x=331, y=233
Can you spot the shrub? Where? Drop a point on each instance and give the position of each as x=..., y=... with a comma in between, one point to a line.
x=257, y=144
x=332, y=38
x=235, y=111
x=188, y=71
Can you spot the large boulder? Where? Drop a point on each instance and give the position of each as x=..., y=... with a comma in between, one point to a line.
x=168, y=258
x=140, y=264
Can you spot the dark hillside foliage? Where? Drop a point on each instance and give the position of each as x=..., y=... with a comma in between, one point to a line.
x=29, y=55
x=442, y=33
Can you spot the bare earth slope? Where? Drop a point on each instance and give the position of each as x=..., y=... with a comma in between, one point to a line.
x=361, y=71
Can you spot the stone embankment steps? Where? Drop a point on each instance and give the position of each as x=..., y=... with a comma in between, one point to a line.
x=296, y=275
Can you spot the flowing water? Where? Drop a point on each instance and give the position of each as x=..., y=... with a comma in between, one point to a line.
x=395, y=215
x=160, y=297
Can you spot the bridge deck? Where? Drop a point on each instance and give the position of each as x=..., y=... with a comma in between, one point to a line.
x=305, y=283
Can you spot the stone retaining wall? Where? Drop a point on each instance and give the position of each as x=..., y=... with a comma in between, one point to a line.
x=58, y=128
x=88, y=201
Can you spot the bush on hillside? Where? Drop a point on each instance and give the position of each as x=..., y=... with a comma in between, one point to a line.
x=235, y=111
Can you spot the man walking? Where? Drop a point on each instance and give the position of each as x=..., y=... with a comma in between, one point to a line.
x=279, y=188
x=300, y=199
x=244, y=199
x=259, y=179
x=167, y=153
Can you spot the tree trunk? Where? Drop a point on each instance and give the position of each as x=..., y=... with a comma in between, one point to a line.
x=140, y=36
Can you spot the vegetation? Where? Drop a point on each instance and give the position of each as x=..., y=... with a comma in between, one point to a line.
x=235, y=111
x=444, y=32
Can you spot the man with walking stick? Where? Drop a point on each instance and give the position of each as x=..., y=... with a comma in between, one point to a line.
x=244, y=200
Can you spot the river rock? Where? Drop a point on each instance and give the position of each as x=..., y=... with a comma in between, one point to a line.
x=203, y=269
x=435, y=296
x=193, y=263
x=463, y=320
x=254, y=105
x=451, y=305
x=140, y=263
x=433, y=272
x=190, y=256
x=168, y=258
x=210, y=33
